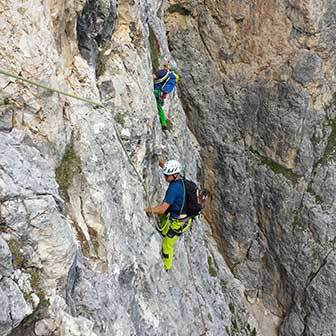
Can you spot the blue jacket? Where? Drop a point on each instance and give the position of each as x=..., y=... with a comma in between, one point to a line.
x=166, y=81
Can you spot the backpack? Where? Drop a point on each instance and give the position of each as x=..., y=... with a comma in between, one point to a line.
x=194, y=200
x=166, y=81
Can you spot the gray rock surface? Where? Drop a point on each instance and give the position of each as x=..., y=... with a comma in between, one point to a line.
x=94, y=28
x=6, y=267
x=14, y=306
x=258, y=94
x=78, y=254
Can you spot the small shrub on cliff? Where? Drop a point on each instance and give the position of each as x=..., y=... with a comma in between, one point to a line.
x=67, y=170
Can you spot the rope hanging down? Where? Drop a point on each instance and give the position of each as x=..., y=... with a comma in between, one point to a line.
x=91, y=102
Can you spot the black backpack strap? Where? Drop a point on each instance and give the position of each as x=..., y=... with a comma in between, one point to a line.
x=184, y=195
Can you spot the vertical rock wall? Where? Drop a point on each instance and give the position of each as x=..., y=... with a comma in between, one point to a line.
x=78, y=256
x=258, y=89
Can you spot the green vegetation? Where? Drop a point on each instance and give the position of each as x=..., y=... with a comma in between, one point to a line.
x=212, y=269
x=39, y=312
x=35, y=281
x=6, y=101
x=17, y=255
x=35, y=278
x=209, y=317
x=231, y=307
x=154, y=48
x=21, y=10
x=101, y=60
x=314, y=140
x=297, y=225
x=277, y=168
x=234, y=327
x=223, y=284
x=330, y=149
x=332, y=102
x=67, y=170
x=41, y=309
x=120, y=118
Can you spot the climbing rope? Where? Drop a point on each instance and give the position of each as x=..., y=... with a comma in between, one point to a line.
x=91, y=102
x=196, y=288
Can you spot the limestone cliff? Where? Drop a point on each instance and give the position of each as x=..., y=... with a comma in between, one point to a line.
x=78, y=255
x=258, y=89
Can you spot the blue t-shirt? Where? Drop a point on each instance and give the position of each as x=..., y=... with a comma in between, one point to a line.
x=175, y=197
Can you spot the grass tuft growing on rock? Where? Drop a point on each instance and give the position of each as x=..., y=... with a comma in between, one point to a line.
x=232, y=308
x=223, y=284
x=330, y=149
x=120, y=118
x=211, y=266
x=277, y=168
x=17, y=256
x=6, y=101
x=40, y=311
x=67, y=170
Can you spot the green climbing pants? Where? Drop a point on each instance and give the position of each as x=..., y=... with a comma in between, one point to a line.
x=159, y=104
x=171, y=230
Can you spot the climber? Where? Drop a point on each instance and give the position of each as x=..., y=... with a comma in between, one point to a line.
x=173, y=222
x=164, y=83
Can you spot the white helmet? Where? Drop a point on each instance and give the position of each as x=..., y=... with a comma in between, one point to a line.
x=172, y=167
x=170, y=64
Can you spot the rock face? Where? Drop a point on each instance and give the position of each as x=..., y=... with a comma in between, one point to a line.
x=94, y=28
x=78, y=255
x=258, y=89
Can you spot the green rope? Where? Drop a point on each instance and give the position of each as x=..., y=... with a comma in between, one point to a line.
x=48, y=88
x=89, y=101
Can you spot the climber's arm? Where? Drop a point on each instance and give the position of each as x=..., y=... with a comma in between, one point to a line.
x=159, y=209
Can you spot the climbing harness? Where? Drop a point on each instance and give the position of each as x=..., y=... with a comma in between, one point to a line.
x=168, y=219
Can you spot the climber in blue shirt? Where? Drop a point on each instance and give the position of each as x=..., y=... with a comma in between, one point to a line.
x=173, y=220
x=174, y=197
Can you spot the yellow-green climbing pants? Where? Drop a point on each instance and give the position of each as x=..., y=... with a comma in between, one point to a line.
x=171, y=230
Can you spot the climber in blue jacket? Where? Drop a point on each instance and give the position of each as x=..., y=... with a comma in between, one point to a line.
x=164, y=83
